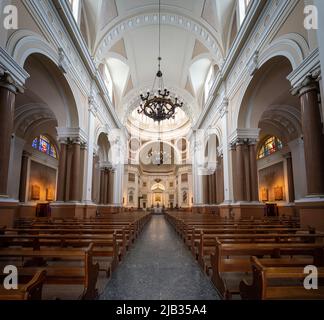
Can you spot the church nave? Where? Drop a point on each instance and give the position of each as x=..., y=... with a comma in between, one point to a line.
x=159, y=267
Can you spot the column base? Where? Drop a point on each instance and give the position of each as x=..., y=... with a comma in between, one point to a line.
x=203, y=209
x=66, y=210
x=8, y=211
x=109, y=209
x=242, y=210
x=311, y=212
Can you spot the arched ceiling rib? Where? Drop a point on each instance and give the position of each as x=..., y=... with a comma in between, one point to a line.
x=190, y=29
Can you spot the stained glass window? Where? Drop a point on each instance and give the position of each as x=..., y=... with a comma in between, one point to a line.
x=269, y=147
x=43, y=144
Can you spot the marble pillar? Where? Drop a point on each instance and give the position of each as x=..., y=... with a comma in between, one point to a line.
x=75, y=171
x=313, y=137
x=290, y=175
x=111, y=186
x=7, y=105
x=239, y=172
x=61, y=183
x=253, y=171
x=23, y=177
x=102, y=186
x=247, y=174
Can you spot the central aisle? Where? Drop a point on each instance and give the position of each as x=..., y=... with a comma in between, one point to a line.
x=159, y=267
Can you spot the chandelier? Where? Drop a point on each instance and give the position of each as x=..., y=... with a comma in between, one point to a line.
x=158, y=157
x=158, y=104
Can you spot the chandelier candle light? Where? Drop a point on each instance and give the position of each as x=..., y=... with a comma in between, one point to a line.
x=158, y=104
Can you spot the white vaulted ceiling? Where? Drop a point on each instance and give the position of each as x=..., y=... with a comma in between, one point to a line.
x=194, y=36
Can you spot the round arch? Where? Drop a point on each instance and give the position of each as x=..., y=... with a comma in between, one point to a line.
x=24, y=44
x=249, y=114
x=177, y=20
x=145, y=145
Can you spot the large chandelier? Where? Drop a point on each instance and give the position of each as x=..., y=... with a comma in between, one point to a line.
x=158, y=104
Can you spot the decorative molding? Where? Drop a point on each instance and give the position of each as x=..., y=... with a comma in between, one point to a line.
x=310, y=67
x=11, y=72
x=71, y=134
x=64, y=63
x=240, y=135
x=172, y=19
x=253, y=64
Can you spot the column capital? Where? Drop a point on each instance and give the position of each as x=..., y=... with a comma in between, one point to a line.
x=310, y=83
x=244, y=134
x=71, y=135
x=252, y=142
x=8, y=82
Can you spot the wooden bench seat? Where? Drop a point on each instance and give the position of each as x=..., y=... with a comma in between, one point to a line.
x=235, y=258
x=267, y=282
x=32, y=290
x=59, y=270
x=107, y=250
x=205, y=245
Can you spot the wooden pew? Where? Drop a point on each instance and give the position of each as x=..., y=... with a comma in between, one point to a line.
x=231, y=261
x=105, y=247
x=123, y=236
x=267, y=274
x=59, y=269
x=205, y=245
x=32, y=290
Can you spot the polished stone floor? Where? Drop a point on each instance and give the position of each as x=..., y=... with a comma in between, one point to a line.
x=159, y=267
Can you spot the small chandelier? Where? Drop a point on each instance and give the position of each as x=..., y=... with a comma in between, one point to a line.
x=158, y=157
x=158, y=104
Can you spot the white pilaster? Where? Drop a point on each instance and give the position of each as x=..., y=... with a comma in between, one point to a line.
x=87, y=193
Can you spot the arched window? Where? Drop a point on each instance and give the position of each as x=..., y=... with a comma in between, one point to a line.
x=269, y=147
x=43, y=144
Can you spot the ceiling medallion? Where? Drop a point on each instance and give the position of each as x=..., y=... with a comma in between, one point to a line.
x=158, y=104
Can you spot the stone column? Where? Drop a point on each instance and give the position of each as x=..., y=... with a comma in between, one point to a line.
x=106, y=182
x=239, y=173
x=290, y=174
x=313, y=136
x=247, y=173
x=205, y=189
x=95, y=195
x=61, y=183
x=210, y=190
x=89, y=172
x=83, y=172
x=102, y=186
x=253, y=171
x=23, y=177
x=75, y=171
x=215, y=185
x=234, y=177
x=111, y=186
x=7, y=104
x=220, y=178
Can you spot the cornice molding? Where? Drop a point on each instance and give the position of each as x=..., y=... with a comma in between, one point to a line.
x=12, y=69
